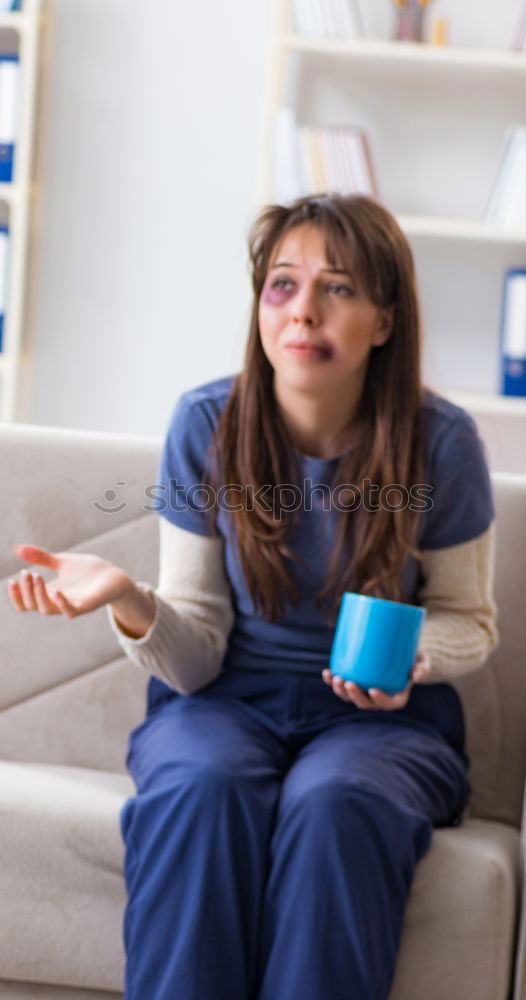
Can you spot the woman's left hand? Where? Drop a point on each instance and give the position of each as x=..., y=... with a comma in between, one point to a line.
x=374, y=698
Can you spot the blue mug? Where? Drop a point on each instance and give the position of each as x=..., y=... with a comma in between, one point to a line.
x=376, y=642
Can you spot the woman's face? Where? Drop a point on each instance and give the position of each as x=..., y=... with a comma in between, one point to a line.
x=317, y=325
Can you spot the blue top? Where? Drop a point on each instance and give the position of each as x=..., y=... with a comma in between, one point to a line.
x=460, y=502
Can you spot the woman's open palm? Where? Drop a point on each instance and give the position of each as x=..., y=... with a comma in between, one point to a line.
x=83, y=583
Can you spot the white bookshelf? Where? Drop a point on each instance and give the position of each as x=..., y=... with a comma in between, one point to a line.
x=21, y=31
x=388, y=64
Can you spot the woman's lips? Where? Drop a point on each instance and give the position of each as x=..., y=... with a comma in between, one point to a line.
x=316, y=352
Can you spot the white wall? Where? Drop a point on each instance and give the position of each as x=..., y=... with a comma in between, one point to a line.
x=148, y=187
x=149, y=183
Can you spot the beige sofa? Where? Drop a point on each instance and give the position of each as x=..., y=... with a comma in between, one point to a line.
x=68, y=699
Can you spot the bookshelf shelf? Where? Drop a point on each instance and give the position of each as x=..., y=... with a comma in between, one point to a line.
x=416, y=53
x=17, y=21
x=459, y=229
x=490, y=404
x=10, y=193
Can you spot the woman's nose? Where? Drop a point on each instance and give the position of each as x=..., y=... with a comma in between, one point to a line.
x=304, y=307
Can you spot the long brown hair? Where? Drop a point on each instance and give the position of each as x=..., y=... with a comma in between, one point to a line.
x=254, y=447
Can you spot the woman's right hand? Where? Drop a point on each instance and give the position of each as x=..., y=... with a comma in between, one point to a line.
x=82, y=584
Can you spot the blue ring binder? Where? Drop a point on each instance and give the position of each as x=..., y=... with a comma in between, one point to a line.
x=513, y=333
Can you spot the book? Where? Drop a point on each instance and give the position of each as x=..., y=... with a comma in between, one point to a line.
x=348, y=178
x=495, y=201
x=330, y=24
x=360, y=160
x=338, y=18
x=6, y=5
x=513, y=333
x=307, y=17
x=352, y=18
x=317, y=160
x=333, y=158
x=518, y=41
x=337, y=152
x=9, y=73
x=307, y=159
x=4, y=244
x=506, y=204
x=307, y=177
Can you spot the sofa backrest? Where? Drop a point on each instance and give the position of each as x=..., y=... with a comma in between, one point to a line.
x=67, y=693
x=495, y=697
x=502, y=431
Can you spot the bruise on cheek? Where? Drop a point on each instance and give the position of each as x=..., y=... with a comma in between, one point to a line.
x=274, y=296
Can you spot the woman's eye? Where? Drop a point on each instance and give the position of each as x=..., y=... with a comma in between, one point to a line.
x=340, y=290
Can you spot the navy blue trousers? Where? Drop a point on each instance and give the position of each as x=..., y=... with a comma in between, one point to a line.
x=273, y=838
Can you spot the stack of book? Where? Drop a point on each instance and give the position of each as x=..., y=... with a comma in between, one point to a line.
x=309, y=159
x=507, y=202
x=328, y=17
x=518, y=41
x=9, y=72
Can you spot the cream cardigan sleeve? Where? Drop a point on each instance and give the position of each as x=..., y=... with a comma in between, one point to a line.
x=460, y=629
x=186, y=642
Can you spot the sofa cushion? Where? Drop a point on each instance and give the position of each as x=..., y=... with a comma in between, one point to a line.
x=458, y=932
x=63, y=892
x=9, y=990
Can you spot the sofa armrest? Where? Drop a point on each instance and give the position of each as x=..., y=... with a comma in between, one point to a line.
x=519, y=992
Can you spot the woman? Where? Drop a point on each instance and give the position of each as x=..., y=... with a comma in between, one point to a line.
x=280, y=811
